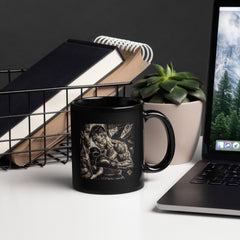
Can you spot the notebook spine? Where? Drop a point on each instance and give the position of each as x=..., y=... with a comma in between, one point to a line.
x=126, y=45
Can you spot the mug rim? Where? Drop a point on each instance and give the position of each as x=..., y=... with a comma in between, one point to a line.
x=108, y=102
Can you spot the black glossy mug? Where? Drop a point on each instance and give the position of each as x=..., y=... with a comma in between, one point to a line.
x=107, y=144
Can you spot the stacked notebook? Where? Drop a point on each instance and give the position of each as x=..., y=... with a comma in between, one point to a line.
x=36, y=119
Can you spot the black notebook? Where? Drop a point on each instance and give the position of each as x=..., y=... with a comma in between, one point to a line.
x=72, y=63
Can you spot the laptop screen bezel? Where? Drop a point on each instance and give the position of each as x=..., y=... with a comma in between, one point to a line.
x=207, y=153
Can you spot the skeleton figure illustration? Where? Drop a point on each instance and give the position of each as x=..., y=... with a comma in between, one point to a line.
x=104, y=154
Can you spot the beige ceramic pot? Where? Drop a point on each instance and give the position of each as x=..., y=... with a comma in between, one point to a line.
x=186, y=121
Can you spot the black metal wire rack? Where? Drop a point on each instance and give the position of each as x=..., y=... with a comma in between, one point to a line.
x=59, y=153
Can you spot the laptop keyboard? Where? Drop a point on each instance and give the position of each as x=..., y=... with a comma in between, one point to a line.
x=219, y=174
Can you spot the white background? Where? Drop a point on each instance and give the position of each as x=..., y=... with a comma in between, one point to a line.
x=40, y=204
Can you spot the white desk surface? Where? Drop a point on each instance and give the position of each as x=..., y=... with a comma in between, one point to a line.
x=39, y=203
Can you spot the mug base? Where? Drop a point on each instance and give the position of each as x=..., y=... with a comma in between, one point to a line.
x=108, y=192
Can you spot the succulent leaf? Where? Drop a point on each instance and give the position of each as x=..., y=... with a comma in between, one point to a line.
x=159, y=69
x=177, y=95
x=175, y=77
x=168, y=85
x=186, y=75
x=149, y=91
x=151, y=75
x=199, y=94
x=190, y=84
x=168, y=71
x=153, y=80
x=171, y=67
x=192, y=78
x=140, y=83
x=185, y=100
x=157, y=98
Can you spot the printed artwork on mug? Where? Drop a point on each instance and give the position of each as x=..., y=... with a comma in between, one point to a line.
x=106, y=151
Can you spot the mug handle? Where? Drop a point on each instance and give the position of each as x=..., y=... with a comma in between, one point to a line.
x=171, y=142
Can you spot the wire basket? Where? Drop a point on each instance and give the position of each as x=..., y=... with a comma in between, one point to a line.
x=59, y=153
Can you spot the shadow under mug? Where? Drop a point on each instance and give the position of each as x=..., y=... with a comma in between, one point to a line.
x=107, y=144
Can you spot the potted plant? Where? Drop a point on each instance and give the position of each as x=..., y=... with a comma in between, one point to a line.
x=179, y=96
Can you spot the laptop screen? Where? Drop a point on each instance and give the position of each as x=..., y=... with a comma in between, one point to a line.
x=225, y=115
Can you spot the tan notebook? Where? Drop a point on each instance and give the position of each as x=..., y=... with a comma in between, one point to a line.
x=137, y=58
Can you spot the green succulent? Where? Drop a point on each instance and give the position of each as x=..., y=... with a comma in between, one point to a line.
x=168, y=86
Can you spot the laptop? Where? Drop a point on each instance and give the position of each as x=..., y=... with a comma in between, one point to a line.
x=212, y=186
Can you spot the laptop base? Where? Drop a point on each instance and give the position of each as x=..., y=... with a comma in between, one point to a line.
x=185, y=196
